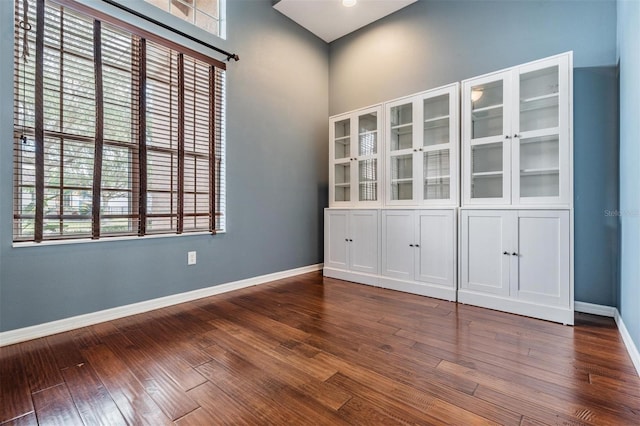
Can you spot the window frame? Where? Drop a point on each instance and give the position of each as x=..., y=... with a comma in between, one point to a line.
x=136, y=206
x=192, y=27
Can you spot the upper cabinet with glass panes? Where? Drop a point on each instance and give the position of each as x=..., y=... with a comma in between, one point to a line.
x=421, y=155
x=354, y=158
x=516, y=133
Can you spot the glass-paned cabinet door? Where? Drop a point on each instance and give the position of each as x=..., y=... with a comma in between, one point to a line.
x=341, y=144
x=400, y=116
x=439, y=147
x=342, y=139
x=540, y=132
x=486, y=139
x=354, y=158
x=368, y=132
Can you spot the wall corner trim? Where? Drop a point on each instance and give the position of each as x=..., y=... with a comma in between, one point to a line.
x=33, y=332
x=612, y=312
x=590, y=308
x=628, y=341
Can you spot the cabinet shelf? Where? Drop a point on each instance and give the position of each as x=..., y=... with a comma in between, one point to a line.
x=441, y=177
x=436, y=119
x=342, y=185
x=539, y=102
x=368, y=132
x=487, y=108
x=343, y=140
x=537, y=172
x=549, y=135
x=538, y=98
x=403, y=180
x=403, y=129
x=436, y=123
x=487, y=174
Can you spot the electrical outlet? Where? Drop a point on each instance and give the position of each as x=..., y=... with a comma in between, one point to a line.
x=191, y=258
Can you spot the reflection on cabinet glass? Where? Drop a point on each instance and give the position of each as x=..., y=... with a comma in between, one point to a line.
x=368, y=134
x=368, y=179
x=422, y=153
x=436, y=175
x=368, y=143
x=487, y=110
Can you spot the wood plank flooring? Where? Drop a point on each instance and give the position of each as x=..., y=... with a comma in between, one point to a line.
x=319, y=351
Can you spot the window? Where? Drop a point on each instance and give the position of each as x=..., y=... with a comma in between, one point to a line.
x=116, y=131
x=205, y=14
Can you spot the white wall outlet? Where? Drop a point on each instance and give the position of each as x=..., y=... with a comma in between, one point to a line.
x=191, y=258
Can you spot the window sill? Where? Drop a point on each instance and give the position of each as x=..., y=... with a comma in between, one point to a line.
x=108, y=239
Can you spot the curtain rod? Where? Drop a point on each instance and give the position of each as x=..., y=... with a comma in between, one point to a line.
x=173, y=30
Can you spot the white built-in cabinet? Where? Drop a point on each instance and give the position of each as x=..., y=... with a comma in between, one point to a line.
x=421, y=152
x=516, y=226
x=419, y=252
x=399, y=160
x=396, y=218
x=351, y=241
x=516, y=135
x=354, y=158
x=517, y=261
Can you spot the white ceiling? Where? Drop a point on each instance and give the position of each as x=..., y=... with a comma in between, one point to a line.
x=330, y=20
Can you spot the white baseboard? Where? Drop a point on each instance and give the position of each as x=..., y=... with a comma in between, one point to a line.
x=22, y=334
x=610, y=311
x=628, y=342
x=590, y=308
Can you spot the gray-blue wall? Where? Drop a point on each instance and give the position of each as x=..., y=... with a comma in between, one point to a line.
x=595, y=155
x=432, y=43
x=277, y=108
x=629, y=57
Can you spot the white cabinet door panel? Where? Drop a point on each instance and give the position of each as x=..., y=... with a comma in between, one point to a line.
x=434, y=263
x=398, y=238
x=542, y=263
x=336, y=244
x=486, y=238
x=363, y=230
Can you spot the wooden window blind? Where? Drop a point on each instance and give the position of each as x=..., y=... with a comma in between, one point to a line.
x=116, y=131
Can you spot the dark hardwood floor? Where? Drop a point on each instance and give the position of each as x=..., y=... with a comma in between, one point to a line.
x=309, y=350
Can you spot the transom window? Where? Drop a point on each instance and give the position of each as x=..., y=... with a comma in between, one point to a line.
x=116, y=131
x=205, y=14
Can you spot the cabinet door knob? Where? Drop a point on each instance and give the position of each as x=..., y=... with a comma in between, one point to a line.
x=350, y=240
x=507, y=137
x=505, y=253
x=346, y=239
x=410, y=245
x=417, y=245
x=514, y=254
x=516, y=136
